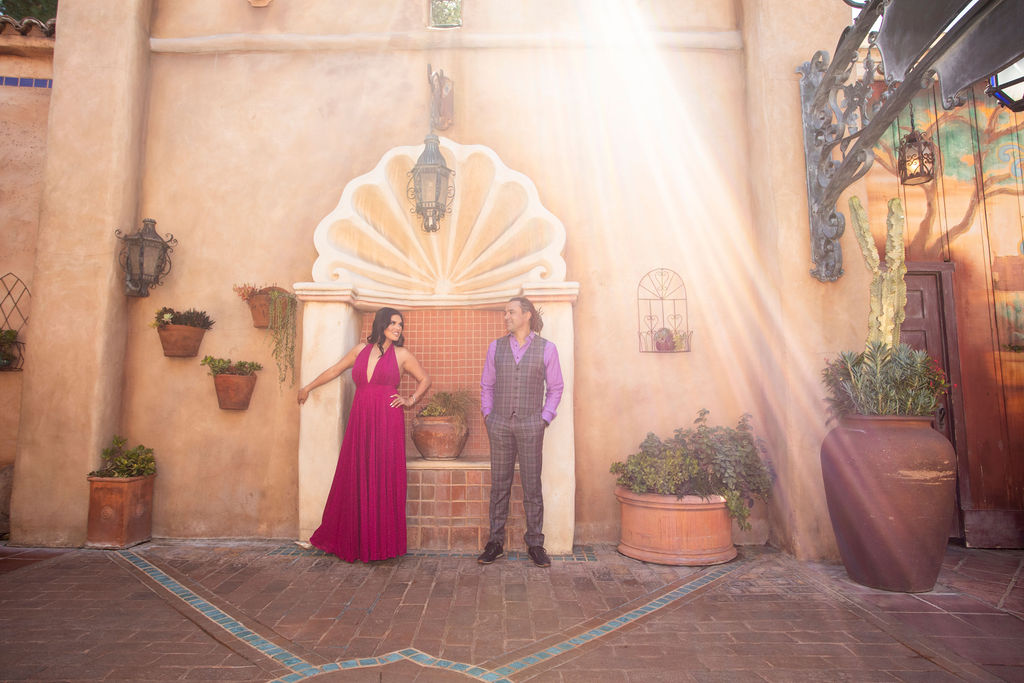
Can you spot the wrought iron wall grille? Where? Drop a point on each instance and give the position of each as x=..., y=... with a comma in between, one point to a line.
x=14, y=300
x=662, y=315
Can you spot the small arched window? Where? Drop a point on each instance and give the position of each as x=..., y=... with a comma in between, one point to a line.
x=662, y=316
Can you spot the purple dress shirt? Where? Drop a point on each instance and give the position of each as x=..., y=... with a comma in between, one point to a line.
x=552, y=376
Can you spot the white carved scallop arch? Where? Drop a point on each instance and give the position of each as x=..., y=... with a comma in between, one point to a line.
x=498, y=238
x=498, y=242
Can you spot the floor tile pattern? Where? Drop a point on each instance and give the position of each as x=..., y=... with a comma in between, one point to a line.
x=270, y=611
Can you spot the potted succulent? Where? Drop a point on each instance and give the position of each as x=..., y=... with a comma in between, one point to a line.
x=121, y=497
x=182, y=332
x=889, y=477
x=10, y=350
x=439, y=429
x=234, y=382
x=679, y=496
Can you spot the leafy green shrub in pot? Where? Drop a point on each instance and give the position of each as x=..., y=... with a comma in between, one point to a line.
x=449, y=403
x=118, y=462
x=702, y=460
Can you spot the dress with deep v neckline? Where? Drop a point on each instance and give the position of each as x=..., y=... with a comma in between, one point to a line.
x=364, y=517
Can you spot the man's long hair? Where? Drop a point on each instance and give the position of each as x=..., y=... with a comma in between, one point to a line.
x=381, y=320
x=536, y=324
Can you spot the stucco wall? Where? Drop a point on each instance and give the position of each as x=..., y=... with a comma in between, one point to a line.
x=23, y=110
x=632, y=122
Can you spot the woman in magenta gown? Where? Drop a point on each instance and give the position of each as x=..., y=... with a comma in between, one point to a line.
x=364, y=518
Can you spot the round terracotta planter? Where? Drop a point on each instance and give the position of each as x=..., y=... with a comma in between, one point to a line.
x=234, y=391
x=439, y=438
x=180, y=341
x=259, y=306
x=690, y=530
x=889, y=485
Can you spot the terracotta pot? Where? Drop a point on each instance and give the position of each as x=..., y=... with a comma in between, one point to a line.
x=889, y=485
x=259, y=306
x=691, y=530
x=120, y=511
x=439, y=438
x=180, y=341
x=234, y=391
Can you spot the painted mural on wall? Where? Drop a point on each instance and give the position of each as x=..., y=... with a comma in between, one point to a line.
x=972, y=214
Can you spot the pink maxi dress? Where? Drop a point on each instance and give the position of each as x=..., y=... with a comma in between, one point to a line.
x=364, y=518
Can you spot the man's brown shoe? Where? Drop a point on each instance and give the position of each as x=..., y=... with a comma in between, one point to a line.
x=539, y=556
x=492, y=551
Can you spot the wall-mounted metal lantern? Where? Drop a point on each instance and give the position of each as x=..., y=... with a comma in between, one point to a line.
x=145, y=258
x=430, y=181
x=915, y=161
x=1007, y=86
x=430, y=185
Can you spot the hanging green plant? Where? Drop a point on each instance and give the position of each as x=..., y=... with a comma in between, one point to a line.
x=283, y=309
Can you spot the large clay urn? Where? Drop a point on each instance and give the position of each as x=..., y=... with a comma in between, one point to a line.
x=678, y=531
x=439, y=437
x=180, y=341
x=889, y=485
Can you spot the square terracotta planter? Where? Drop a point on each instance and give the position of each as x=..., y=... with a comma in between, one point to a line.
x=120, y=511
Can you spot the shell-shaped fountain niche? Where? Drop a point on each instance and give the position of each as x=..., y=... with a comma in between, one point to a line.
x=498, y=238
x=498, y=242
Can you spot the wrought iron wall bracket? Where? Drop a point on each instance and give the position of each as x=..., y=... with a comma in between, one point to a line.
x=843, y=119
x=833, y=111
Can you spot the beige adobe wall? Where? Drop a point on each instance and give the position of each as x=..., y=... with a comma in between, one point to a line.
x=632, y=123
x=811, y=320
x=23, y=112
x=634, y=146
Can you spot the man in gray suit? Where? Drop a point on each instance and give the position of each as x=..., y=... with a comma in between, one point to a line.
x=520, y=390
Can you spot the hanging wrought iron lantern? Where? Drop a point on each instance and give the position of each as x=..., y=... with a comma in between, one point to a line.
x=916, y=159
x=1007, y=86
x=431, y=186
x=145, y=258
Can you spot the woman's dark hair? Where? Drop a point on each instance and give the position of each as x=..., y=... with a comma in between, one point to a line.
x=381, y=320
x=536, y=324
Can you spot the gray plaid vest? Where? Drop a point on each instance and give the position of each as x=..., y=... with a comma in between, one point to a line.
x=519, y=389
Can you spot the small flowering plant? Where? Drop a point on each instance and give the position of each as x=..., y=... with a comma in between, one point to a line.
x=884, y=380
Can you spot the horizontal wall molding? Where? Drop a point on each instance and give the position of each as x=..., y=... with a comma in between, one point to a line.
x=443, y=40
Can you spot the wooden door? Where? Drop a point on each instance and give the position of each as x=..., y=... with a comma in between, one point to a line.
x=930, y=325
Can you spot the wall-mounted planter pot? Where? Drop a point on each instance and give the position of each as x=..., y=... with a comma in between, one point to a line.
x=234, y=391
x=259, y=306
x=691, y=530
x=12, y=355
x=180, y=341
x=120, y=511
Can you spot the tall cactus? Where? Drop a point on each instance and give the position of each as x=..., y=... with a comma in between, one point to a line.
x=888, y=289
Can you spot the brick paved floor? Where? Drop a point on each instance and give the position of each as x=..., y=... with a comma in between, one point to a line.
x=269, y=611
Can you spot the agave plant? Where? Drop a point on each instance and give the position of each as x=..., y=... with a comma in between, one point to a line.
x=884, y=380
